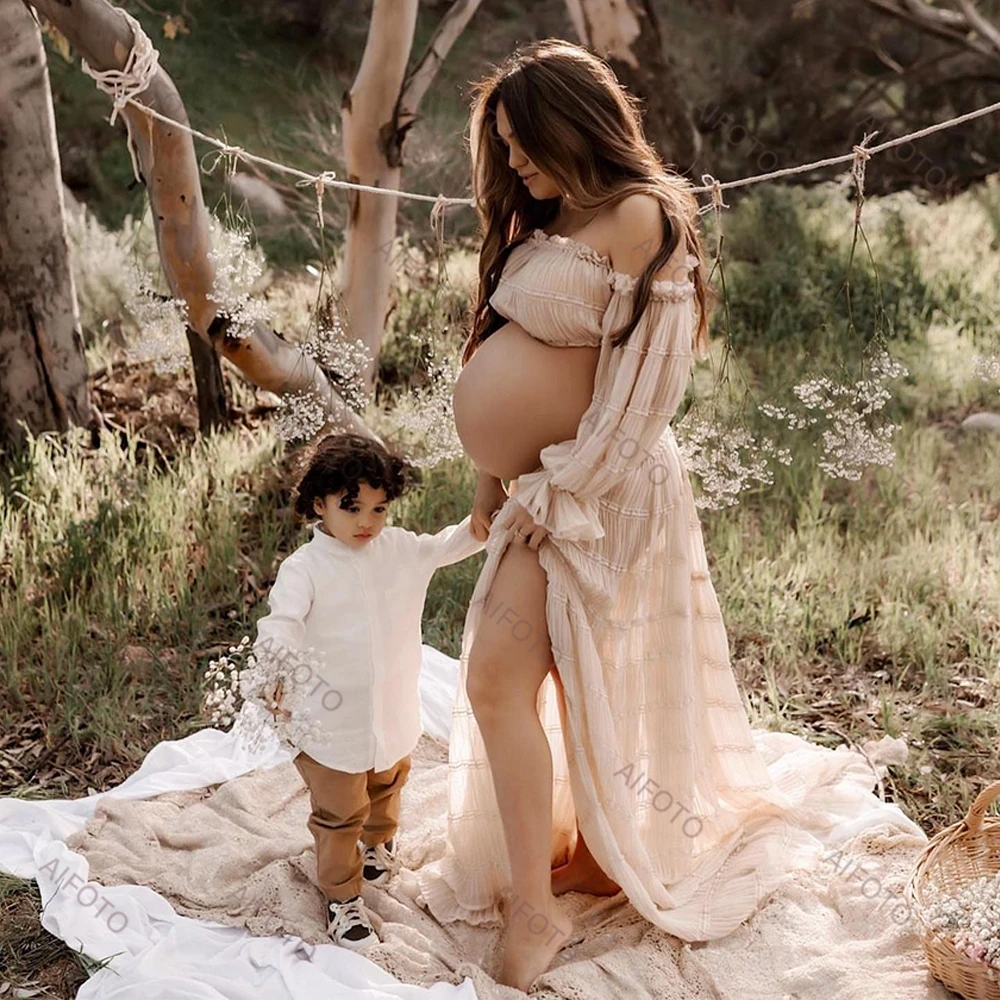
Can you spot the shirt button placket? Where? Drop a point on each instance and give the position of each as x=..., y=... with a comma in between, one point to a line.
x=375, y=662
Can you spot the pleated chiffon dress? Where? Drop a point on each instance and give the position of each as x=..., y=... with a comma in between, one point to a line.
x=694, y=814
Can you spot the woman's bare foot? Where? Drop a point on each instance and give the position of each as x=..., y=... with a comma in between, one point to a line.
x=582, y=874
x=533, y=938
x=582, y=877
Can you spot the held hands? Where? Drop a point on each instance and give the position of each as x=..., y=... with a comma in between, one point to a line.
x=490, y=497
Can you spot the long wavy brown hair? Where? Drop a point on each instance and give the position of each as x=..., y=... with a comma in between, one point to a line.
x=580, y=126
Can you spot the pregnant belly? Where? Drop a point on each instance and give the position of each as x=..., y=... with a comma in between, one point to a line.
x=517, y=395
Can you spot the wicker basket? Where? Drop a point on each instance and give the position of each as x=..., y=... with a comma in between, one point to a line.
x=956, y=856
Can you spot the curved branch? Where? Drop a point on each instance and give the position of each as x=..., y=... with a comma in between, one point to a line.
x=169, y=167
x=985, y=29
x=445, y=35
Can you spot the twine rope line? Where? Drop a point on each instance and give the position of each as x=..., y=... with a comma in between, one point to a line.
x=124, y=85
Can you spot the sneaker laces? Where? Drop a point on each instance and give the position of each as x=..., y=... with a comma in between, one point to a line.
x=349, y=915
x=379, y=855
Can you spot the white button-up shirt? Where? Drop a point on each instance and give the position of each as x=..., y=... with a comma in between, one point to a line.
x=360, y=609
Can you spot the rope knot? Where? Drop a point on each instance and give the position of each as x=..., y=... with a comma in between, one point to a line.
x=125, y=84
x=437, y=217
x=716, y=204
x=861, y=157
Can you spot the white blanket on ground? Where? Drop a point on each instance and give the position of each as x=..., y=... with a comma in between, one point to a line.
x=161, y=955
x=830, y=934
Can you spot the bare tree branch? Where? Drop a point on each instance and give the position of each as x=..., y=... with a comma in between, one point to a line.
x=376, y=115
x=966, y=27
x=979, y=23
x=445, y=35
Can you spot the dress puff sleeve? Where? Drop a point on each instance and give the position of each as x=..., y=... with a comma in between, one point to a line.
x=289, y=601
x=637, y=389
x=449, y=545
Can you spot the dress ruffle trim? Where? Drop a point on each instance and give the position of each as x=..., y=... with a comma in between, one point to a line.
x=662, y=288
x=671, y=291
x=564, y=515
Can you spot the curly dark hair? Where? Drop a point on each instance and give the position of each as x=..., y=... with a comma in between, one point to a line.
x=343, y=461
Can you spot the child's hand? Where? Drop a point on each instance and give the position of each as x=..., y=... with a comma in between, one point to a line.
x=490, y=497
x=272, y=700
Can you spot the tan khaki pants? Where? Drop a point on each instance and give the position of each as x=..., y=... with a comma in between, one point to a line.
x=346, y=807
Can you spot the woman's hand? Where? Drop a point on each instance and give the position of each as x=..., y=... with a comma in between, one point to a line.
x=525, y=529
x=490, y=497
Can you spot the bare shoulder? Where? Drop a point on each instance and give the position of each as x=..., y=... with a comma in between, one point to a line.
x=636, y=234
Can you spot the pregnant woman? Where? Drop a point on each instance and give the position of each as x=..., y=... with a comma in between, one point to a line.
x=599, y=741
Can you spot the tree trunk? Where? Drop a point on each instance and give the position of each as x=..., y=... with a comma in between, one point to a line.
x=43, y=368
x=213, y=409
x=376, y=114
x=627, y=34
x=102, y=35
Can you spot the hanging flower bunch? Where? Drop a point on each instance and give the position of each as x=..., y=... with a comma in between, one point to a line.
x=303, y=413
x=160, y=319
x=971, y=918
x=986, y=367
x=239, y=268
x=854, y=436
x=260, y=691
x=727, y=459
x=425, y=415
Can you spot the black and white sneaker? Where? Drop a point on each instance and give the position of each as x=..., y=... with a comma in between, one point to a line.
x=379, y=862
x=348, y=924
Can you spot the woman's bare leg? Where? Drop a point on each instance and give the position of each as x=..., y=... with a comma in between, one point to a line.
x=509, y=659
x=581, y=873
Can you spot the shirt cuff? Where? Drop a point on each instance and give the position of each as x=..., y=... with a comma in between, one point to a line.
x=556, y=509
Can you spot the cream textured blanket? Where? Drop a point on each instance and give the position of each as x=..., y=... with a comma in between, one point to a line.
x=239, y=853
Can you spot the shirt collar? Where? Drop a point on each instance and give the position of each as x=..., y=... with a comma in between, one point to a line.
x=334, y=545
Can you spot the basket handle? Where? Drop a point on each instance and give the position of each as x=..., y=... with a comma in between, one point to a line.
x=974, y=817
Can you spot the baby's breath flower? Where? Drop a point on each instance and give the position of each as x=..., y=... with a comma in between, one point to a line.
x=241, y=688
x=425, y=417
x=726, y=460
x=986, y=367
x=971, y=919
x=852, y=437
x=161, y=322
x=300, y=415
x=238, y=268
x=345, y=361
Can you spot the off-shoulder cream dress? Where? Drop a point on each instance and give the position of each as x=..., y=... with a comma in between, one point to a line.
x=696, y=816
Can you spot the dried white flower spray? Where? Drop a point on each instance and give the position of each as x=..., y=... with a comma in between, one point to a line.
x=971, y=919
x=242, y=689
